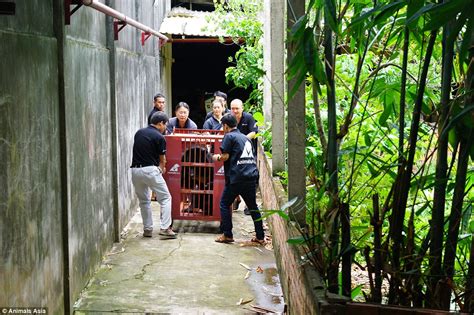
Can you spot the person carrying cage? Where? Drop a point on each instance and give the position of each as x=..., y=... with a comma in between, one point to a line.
x=241, y=176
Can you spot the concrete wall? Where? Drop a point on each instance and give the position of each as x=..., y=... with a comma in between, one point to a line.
x=138, y=79
x=88, y=144
x=303, y=290
x=30, y=213
x=71, y=100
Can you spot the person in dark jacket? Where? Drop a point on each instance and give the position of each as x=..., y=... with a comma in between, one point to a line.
x=247, y=125
x=158, y=105
x=182, y=119
x=241, y=176
x=214, y=122
x=221, y=96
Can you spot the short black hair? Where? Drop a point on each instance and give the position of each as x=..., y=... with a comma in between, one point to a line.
x=158, y=117
x=221, y=94
x=159, y=95
x=229, y=120
x=182, y=104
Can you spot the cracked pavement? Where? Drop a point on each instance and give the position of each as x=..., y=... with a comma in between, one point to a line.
x=190, y=274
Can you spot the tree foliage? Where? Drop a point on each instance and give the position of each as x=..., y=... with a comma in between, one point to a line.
x=394, y=79
x=241, y=20
x=401, y=71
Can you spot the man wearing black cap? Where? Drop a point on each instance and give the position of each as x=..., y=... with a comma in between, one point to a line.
x=148, y=167
x=241, y=175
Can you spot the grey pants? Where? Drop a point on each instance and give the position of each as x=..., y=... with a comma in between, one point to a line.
x=149, y=178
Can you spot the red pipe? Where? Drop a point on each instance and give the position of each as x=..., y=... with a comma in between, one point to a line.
x=122, y=17
x=204, y=40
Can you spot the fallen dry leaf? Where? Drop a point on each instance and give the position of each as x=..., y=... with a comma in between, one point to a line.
x=259, y=269
x=248, y=243
x=262, y=309
x=118, y=252
x=246, y=301
x=247, y=275
x=246, y=231
x=245, y=266
x=269, y=292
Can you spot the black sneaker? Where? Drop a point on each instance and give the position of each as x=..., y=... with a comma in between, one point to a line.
x=147, y=233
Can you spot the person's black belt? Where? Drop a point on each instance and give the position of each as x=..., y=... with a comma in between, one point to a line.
x=140, y=165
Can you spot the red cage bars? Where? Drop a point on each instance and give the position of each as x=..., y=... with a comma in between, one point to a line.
x=194, y=180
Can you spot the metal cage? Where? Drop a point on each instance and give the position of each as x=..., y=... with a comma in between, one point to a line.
x=194, y=180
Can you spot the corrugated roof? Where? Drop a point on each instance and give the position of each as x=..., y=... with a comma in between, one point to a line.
x=181, y=21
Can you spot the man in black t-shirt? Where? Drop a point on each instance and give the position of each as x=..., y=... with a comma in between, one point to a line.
x=247, y=126
x=148, y=167
x=158, y=105
x=241, y=175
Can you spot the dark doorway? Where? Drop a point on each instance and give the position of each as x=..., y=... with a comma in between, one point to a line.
x=198, y=71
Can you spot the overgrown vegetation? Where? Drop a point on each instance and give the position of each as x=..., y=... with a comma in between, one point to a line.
x=245, y=24
x=404, y=111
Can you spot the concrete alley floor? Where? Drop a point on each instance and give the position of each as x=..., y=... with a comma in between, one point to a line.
x=188, y=275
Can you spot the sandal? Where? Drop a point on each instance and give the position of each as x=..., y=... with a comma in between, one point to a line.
x=256, y=240
x=224, y=239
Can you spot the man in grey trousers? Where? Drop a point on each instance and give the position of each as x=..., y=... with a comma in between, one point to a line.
x=148, y=167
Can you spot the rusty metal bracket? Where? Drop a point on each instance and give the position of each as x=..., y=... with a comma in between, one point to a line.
x=117, y=29
x=145, y=36
x=67, y=9
x=7, y=8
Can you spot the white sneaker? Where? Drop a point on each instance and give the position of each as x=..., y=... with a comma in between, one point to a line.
x=168, y=233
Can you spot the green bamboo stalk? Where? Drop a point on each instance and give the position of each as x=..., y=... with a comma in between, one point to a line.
x=439, y=195
x=401, y=194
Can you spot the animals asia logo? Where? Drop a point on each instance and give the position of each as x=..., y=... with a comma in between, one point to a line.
x=247, y=156
x=174, y=169
x=220, y=171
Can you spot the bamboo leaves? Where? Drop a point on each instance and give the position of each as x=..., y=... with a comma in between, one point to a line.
x=439, y=14
x=307, y=60
x=396, y=50
x=330, y=15
x=378, y=14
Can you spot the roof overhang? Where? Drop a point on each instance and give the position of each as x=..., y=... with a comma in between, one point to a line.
x=188, y=23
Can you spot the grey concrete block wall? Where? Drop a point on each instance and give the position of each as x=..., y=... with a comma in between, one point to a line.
x=89, y=159
x=32, y=17
x=33, y=201
x=138, y=79
x=130, y=115
x=88, y=145
x=31, y=258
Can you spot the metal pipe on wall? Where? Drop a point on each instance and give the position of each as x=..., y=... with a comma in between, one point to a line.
x=206, y=40
x=122, y=17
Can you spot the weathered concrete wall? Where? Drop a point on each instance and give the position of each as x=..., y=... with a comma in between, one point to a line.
x=71, y=103
x=135, y=78
x=301, y=285
x=31, y=258
x=138, y=80
x=87, y=103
